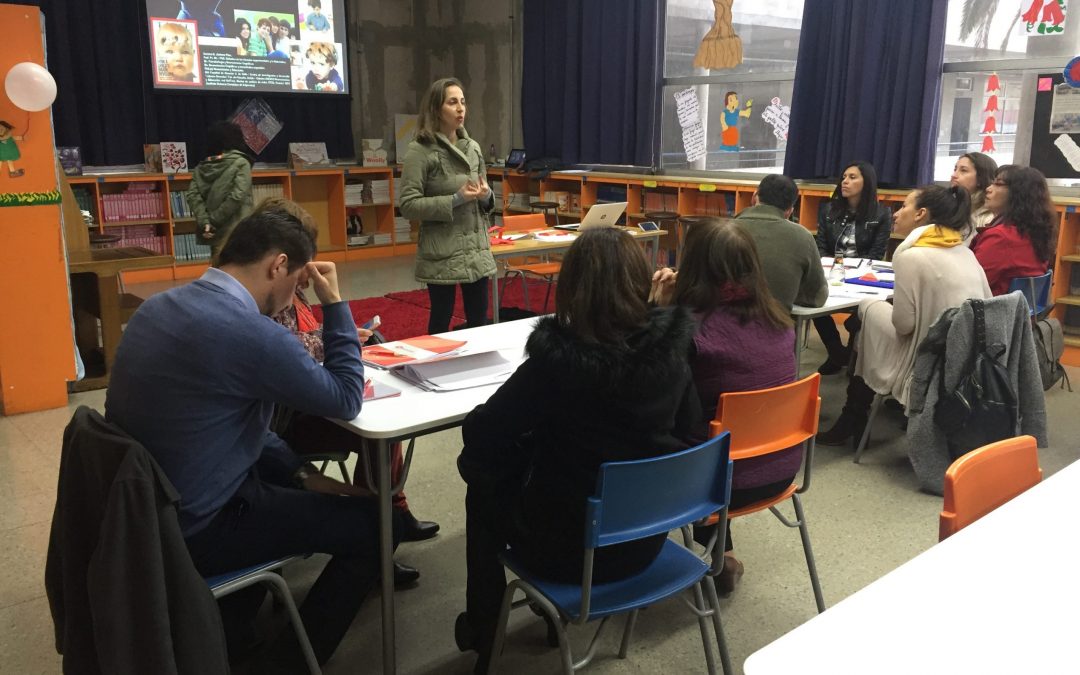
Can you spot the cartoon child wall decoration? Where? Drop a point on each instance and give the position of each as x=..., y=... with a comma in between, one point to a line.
x=9, y=149
x=729, y=121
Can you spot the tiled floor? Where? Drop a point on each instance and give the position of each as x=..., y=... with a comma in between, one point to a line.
x=864, y=521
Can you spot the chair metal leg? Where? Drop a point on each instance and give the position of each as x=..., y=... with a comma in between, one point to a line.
x=624, y=647
x=344, y=472
x=811, y=566
x=703, y=624
x=282, y=590
x=874, y=408
x=525, y=292
x=547, y=296
x=721, y=641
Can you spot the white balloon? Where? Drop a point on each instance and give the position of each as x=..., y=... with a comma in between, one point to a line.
x=30, y=87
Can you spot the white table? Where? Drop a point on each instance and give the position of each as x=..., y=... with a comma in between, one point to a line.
x=417, y=413
x=530, y=246
x=999, y=596
x=843, y=297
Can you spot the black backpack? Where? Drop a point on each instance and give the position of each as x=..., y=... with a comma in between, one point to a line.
x=983, y=407
x=1049, y=346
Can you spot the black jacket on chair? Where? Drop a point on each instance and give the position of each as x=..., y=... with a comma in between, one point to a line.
x=568, y=409
x=871, y=235
x=123, y=592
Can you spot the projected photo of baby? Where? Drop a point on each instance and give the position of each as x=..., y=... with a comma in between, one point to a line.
x=320, y=70
x=176, y=52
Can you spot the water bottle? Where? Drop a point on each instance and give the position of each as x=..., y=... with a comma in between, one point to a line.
x=836, y=272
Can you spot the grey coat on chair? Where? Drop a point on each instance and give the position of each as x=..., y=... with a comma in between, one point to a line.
x=1007, y=323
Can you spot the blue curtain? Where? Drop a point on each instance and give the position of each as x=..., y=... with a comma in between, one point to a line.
x=867, y=86
x=107, y=106
x=590, y=80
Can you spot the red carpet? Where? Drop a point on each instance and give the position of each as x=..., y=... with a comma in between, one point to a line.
x=404, y=314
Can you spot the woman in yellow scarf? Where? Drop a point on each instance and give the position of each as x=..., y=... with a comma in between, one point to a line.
x=934, y=272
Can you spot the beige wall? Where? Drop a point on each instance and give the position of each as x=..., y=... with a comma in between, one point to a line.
x=401, y=46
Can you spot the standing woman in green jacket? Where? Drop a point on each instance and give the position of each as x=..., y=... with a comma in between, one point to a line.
x=444, y=186
x=220, y=193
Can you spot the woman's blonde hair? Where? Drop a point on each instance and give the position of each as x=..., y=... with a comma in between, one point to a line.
x=427, y=123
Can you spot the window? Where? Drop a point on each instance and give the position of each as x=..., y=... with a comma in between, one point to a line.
x=984, y=38
x=770, y=42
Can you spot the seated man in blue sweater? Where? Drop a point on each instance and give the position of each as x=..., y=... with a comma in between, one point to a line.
x=196, y=378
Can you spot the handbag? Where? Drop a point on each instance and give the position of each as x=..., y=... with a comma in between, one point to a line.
x=982, y=408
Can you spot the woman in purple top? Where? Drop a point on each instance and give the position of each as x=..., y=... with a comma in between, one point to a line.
x=745, y=341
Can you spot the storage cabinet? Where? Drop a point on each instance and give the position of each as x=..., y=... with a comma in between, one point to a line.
x=151, y=210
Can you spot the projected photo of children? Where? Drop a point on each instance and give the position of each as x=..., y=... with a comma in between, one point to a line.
x=176, y=52
x=319, y=70
x=263, y=33
x=210, y=16
x=316, y=21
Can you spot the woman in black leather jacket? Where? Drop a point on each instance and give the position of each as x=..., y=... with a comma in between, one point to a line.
x=853, y=224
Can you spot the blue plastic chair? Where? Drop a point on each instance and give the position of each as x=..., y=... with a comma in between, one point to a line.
x=635, y=500
x=1036, y=291
x=267, y=573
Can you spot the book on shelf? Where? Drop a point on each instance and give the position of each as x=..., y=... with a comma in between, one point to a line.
x=307, y=155
x=454, y=372
x=174, y=157
x=411, y=350
x=70, y=158
x=373, y=152
x=152, y=157
x=261, y=191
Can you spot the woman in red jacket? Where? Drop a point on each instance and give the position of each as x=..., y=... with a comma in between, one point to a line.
x=1021, y=240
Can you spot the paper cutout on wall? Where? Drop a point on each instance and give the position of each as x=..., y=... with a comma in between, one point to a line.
x=693, y=138
x=29, y=198
x=1071, y=73
x=721, y=47
x=9, y=149
x=993, y=104
x=688, y=110
x=687, y=107
x=777, y=116
x=1044, y=17
x=729, y=121
x=1065, y=110
x=1070, y=149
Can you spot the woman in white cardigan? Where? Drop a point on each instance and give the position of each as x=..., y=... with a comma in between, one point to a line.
x=934, y=272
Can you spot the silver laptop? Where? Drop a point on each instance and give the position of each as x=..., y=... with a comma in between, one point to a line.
x=599, y=214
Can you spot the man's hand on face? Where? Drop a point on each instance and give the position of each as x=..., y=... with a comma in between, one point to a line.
x=323, y=277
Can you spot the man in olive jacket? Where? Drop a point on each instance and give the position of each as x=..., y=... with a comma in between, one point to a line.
x=788, y=253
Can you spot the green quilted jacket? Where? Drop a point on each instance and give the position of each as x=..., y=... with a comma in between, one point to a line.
x=454, y=245
x=220, y=194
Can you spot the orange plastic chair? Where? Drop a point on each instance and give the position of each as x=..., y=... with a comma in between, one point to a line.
x=544, y=269
x=986, y=478
x=773, y=420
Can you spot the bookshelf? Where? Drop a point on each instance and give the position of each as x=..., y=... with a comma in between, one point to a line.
x=150, y=210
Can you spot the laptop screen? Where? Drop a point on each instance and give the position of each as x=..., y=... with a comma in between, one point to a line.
x=516, y=157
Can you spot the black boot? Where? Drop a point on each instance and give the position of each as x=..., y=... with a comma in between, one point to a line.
x=848, y=426
x=852, y=420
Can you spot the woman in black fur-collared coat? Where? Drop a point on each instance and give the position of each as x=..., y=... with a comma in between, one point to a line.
x=607, y=379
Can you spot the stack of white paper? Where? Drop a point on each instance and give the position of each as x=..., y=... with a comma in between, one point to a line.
x=458, y=372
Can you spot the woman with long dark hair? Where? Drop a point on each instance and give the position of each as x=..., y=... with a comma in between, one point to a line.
x=607, y=379
x=1021, y=240
x=744, y=342
x=974, y=172
x=851, y=224
x=934, y=272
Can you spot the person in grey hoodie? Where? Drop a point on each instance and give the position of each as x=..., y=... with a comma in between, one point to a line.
x=220, y=194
